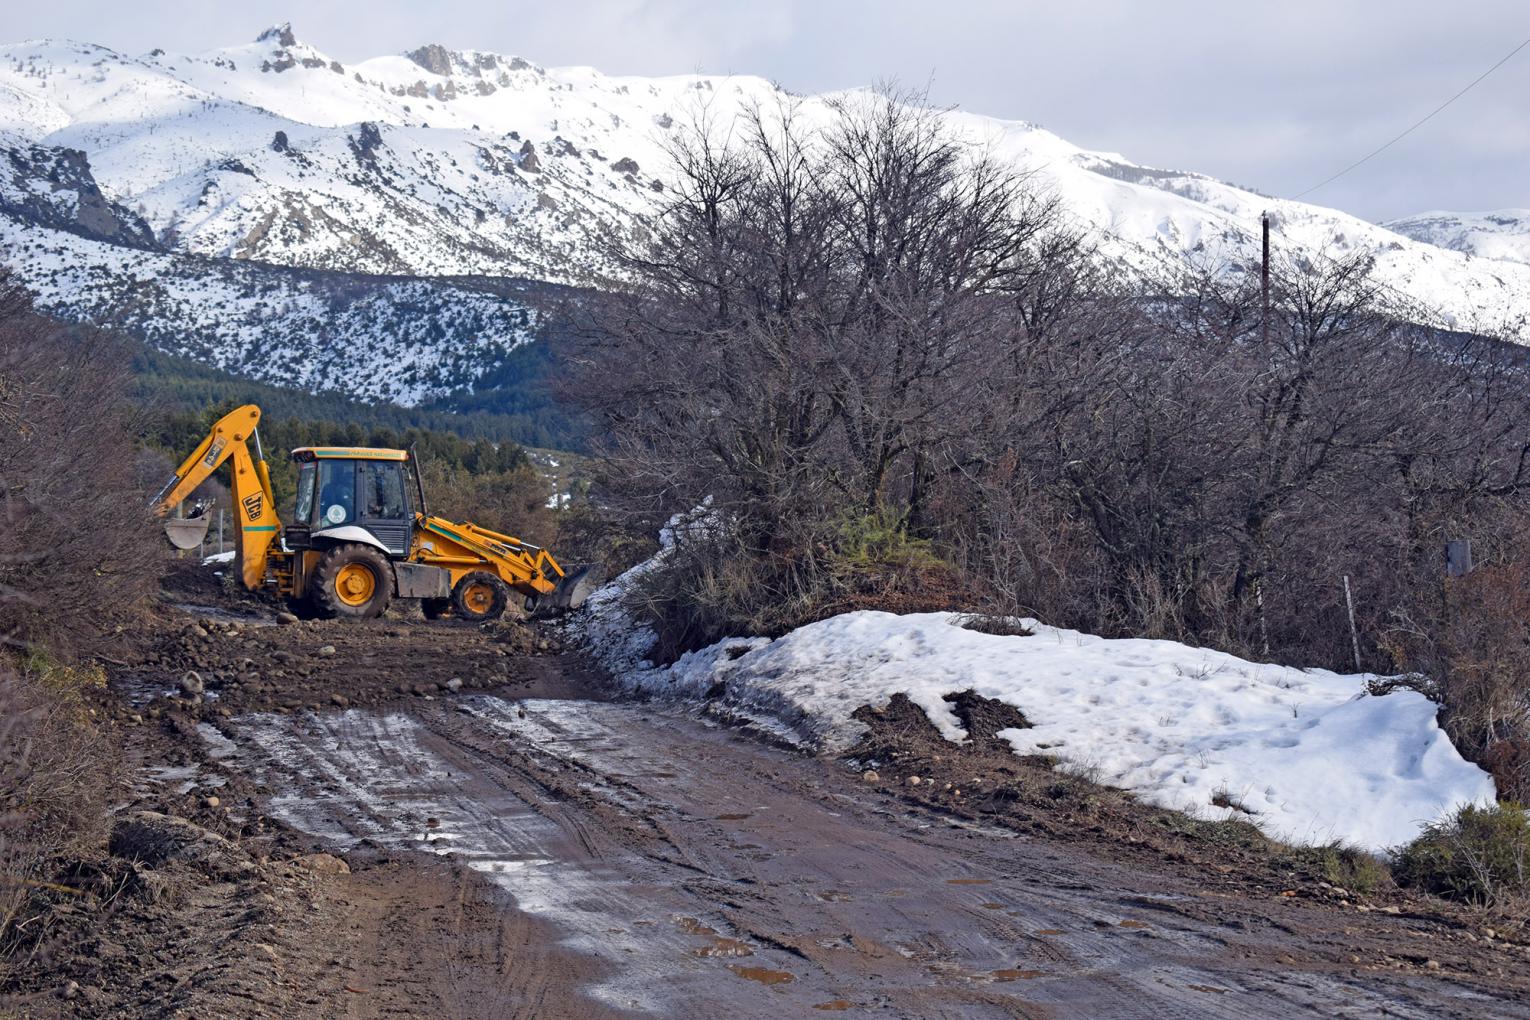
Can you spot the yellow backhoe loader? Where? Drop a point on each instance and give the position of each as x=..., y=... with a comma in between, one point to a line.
x=360, y=535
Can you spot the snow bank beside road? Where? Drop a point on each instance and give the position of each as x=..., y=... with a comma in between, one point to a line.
x=1307, y=755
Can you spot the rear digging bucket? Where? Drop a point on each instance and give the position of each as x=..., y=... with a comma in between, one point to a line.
x=187, y=532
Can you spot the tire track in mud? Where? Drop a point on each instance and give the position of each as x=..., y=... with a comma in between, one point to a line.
x=690, y=871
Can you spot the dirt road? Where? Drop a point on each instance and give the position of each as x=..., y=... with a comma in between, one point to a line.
x=663, y=865
x=406, y=818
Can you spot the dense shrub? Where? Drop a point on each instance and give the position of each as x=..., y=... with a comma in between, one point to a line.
x=1471, y=637
x=711, y=588
x=1480, y=855
x=76, y=541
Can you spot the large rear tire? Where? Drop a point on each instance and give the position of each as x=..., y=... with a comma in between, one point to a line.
x=353, y=582
x=480, y=596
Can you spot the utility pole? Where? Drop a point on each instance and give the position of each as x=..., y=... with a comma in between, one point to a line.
x=1264, y=281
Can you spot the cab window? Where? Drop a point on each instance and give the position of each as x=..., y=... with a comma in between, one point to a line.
x=307, y=474
x=337, y=493
x=382, y=489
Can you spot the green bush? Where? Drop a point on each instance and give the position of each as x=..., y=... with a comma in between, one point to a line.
x=880, y=539
x=1345, y=866
x=1477, y=856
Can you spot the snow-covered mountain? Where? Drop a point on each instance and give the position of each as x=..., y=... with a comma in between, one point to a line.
x=1504, y=234
x=275, y=202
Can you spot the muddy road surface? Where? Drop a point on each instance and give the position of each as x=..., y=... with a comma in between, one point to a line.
x=650, y=862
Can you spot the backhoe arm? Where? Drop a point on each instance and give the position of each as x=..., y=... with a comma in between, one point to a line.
x=254, y=511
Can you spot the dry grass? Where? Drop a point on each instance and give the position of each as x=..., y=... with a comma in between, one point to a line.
x=56, y=775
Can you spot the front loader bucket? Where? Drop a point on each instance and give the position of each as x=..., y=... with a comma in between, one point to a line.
x=187, y=532
x=576, y=586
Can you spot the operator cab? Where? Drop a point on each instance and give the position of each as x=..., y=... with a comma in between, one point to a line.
x=351, y=494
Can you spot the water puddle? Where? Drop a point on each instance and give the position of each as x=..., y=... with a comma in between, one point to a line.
x=764, y=975
x=722, y=946
x=969, y=881
x=219, y=747
x=1005, y=974
x=182, y=779
x=718, y=945
x=219, y=615
x=833, y=1005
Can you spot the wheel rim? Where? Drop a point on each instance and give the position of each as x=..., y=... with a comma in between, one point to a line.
x=478, y=598
x=355, y=584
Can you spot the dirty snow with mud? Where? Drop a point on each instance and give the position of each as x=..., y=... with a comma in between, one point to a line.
x=1309, y=756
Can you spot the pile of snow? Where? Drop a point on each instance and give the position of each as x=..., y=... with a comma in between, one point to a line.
x=1308, y=756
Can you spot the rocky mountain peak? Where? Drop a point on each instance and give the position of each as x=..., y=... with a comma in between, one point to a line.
x=280, y=34
x=433, y=57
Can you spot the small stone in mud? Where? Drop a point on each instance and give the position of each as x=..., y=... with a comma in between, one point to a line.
x=339, y=699
x=70, y=990
x=871, y=776
x=1431, y=964
x=454, y=684
x=324, y=864
x=191, y=684
x=914, y=780
x=286, y=618
x=327, y=650
x=210, y=802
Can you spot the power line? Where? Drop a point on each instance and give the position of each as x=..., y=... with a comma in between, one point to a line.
x=1416, y=125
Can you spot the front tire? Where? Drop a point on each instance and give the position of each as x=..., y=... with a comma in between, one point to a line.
x=479, y=596
x=352, y=582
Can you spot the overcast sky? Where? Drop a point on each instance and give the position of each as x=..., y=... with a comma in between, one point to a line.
x=1270, y=95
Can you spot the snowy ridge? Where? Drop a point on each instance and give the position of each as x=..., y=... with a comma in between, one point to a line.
x=443, y=162
x=372, y=338
x=1503, y=235
x=1308, y=756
